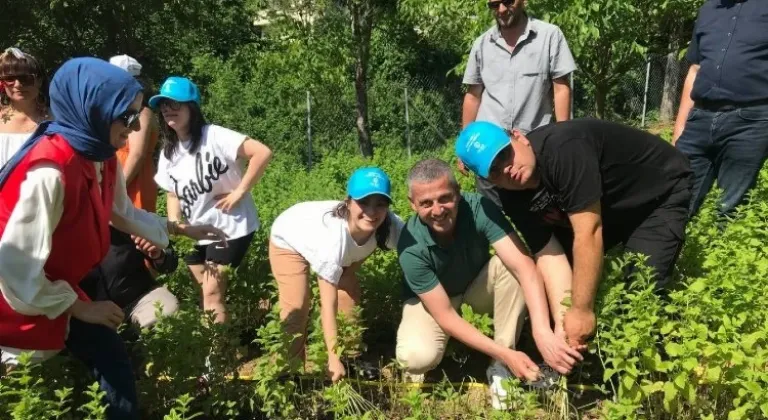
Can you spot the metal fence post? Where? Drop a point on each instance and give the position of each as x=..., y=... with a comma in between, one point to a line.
x=309, y=131
x=645, y=90
x=407, y=123
x=570, y=79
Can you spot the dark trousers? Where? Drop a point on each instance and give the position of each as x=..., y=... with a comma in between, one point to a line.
x=656, y=231
x=728, y=145
x=103, y=351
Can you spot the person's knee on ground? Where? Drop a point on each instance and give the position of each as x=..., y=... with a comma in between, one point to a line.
x=145, y=313
x=421, y=342
x=418, y=358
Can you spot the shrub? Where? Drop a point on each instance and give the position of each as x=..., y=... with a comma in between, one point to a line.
x=700, y=352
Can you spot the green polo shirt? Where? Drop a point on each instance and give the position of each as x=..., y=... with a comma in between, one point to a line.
x=479, y=224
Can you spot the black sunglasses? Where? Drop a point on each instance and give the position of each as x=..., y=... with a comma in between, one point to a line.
x=174, y=105
x=24, y=79
x=493, y=5
x=130, y=118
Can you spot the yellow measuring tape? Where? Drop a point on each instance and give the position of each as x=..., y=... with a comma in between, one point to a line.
x=404, y=385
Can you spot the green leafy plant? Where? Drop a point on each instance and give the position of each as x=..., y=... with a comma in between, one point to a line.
x=25, y=394
x=94, y=409
x=182, y=409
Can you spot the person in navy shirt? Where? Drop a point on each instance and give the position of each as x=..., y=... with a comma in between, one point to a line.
x=722, y=123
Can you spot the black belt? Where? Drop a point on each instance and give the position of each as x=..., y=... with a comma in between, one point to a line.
x=723, y=106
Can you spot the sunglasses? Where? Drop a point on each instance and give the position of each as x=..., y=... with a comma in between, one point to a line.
x=493, y=5
x=24, y=79
x=174, y=105
x=130, y=118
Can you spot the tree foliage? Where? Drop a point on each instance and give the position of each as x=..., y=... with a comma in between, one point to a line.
x=164, y=36
x=611, y=37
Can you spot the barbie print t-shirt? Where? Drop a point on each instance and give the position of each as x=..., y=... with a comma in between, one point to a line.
x=198, y=178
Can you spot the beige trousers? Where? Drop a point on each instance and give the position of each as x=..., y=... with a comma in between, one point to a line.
x=495, y=291
x=291, y=273
x=143, y=313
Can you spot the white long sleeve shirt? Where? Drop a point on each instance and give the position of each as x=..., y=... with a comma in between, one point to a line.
x=26, y=242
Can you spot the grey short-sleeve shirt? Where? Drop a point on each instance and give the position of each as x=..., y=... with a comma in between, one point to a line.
x=518, y=85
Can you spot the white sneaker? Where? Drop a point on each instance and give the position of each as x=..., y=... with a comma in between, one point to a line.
x=497, y=373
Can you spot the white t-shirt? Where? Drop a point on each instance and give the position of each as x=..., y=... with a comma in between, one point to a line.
x=197, y=178
x=10, y=143
x=311, y=230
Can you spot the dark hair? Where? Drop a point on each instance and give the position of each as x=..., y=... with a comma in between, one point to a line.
x=171, y=139
x=382, y=232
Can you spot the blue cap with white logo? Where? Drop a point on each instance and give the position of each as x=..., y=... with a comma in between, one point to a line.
x=368, y=181
x=479, y=144
x=179, y=89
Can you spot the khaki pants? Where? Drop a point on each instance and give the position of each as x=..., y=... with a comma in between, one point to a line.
x=495, y=291
x=291, y=273
x=143, y=313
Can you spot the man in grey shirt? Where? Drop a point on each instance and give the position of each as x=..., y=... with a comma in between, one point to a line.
x=517, y=74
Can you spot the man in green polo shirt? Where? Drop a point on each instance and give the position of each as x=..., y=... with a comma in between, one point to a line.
x=445, y=255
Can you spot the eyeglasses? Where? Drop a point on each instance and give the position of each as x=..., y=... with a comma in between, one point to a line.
x=130, y=118
x=499, y=162
x=24, y=79
x=493, y=5
x=174, y=105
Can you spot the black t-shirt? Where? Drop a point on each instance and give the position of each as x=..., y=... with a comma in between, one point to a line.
x=123, y=276
x=586, y=160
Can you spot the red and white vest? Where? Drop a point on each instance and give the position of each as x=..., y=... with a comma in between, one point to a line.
x=80, y=240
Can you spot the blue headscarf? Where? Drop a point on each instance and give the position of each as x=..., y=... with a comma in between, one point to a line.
x=87, y=95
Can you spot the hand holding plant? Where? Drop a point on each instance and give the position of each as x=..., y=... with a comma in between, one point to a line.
x=520, y=365
x=336, y=369
x=556, y=352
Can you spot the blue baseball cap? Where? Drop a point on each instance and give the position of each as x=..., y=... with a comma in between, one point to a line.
x=179, y=89
x=479, y=144
x=368, y=181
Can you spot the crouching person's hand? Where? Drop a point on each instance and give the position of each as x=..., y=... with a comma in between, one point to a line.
x=520, y=365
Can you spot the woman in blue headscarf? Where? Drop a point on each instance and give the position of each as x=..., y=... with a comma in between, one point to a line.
x=58, y=195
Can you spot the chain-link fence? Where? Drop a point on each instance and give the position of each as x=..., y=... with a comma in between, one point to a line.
x=424, y=114
x=649, y=92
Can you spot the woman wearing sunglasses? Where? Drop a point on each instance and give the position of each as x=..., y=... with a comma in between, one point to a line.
x=200, y=168
x=58, y=196
x=22, y=103
x=333, y=239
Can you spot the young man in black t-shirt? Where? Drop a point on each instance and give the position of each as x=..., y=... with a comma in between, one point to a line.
x=577, y=188
x=126, y=277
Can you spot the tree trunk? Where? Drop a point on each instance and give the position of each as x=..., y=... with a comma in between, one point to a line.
x=671, y=87
x=362, y=24
x=601, y=93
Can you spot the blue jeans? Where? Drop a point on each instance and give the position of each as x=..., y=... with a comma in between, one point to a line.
x=104, y=352
x=730, y=146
